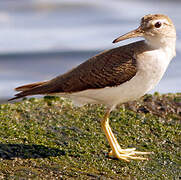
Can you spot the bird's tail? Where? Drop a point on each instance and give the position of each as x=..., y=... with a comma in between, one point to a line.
x=28, y=86
x=26, y=90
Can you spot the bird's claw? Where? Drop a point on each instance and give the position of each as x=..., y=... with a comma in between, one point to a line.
x=128, y=154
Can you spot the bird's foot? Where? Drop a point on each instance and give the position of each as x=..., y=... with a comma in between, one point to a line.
x=128, y=154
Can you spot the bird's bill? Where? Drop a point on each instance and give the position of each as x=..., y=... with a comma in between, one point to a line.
x=132, y=34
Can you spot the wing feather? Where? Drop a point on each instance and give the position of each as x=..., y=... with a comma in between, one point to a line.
x=107, y=69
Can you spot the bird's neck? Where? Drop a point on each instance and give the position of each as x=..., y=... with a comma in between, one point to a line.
x=166, y=44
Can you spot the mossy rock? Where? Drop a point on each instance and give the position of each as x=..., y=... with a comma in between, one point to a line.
x=50, y=138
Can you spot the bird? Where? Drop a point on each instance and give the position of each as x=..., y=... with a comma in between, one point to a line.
x=117, y=75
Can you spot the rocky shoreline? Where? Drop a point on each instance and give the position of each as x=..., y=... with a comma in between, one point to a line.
x=51, y=138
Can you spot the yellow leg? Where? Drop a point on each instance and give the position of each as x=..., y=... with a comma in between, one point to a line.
x=123, y=154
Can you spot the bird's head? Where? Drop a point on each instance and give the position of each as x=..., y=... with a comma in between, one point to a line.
x=157, y=29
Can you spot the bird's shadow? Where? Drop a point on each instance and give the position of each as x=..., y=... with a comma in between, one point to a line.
x=11, y=151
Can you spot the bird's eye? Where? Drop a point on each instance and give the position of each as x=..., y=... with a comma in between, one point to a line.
x=158, y=24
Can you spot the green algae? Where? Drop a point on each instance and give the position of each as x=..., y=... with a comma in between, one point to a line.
x=51, y=138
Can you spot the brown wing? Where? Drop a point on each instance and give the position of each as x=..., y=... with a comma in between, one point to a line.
x=108, y=69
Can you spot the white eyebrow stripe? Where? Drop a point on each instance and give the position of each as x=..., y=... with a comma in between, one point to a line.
x=160, y=20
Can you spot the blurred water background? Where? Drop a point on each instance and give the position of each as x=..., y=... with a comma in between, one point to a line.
x=40, y=39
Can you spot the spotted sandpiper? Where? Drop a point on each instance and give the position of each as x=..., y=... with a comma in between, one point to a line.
x=118, y=75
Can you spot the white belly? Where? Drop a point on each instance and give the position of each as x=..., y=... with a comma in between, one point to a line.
x=151, y=67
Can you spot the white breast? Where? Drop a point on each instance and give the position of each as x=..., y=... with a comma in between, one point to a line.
x=151, y=67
